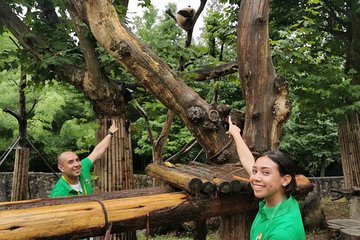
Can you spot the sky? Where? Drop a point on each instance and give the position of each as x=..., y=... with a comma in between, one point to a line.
x=134, y=10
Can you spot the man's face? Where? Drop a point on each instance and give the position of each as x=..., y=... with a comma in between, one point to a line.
x=69, y=165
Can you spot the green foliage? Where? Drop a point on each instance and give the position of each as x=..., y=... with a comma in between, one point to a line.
x=311, y=140
x=310, y=58
x=61, y=120
x=313, y=61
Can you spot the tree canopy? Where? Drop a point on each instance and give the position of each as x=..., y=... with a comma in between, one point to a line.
x=309, y=42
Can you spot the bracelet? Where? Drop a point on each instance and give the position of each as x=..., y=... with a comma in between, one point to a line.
x=111, y=133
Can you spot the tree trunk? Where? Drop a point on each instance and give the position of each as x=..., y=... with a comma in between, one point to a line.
x=267, y=107
x=200, y=229
x=237, y=226
x=349, y=142
x=265, y=96
x=349, y=127
x=22, y=153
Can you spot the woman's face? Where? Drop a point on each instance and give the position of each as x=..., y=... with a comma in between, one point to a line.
x=266, y=180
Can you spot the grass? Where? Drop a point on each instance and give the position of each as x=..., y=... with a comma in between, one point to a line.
x=211, y=236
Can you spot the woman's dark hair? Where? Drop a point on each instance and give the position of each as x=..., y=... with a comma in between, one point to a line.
x=286, y=166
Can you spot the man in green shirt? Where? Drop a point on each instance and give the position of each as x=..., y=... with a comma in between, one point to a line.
x=75, y=178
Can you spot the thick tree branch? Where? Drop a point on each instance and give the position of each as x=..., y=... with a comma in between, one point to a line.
x=155, y=75
x=142, y=112
x=23, y=34
x=158, y=145
x=87, y=43
x=104, y=94
x=184, y=150
x=212, y=73
x=12, y=113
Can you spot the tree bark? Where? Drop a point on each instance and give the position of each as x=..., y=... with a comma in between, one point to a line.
x=349, y=127
x=265, y=95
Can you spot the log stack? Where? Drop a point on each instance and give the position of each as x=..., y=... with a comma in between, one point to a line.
x=198, y=177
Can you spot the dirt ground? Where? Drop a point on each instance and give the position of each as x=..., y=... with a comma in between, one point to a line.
x=332, y=209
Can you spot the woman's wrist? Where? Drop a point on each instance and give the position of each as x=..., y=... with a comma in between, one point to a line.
x=110, y=133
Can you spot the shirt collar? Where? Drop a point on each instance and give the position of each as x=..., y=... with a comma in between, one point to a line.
x=282, y=208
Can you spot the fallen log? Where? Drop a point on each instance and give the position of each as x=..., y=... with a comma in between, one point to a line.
x=79, y=199
x=228, y=178
x=213, y=177
x=222, y=185
x=183, y=181
x=76, y=220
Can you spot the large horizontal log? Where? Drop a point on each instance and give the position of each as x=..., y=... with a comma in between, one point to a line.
x=77, y=220
x=67, y=200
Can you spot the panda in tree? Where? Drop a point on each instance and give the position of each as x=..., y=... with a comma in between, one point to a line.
x=184, y=17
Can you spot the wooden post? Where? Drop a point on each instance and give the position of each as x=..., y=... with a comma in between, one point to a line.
x=115, y=169
x=200, y=229
x=20, y=176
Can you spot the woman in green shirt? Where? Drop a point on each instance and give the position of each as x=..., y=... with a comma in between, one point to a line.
x=272, y=177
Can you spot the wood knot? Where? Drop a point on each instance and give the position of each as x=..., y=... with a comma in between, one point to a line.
x=255, y=115
x=260, y=19
x=213, y=115
x=195, y=114
x=223, y=157
x=209, y=125
x=121, y=48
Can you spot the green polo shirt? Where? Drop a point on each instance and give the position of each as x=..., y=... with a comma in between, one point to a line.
x=63, y=189
x=280, y=222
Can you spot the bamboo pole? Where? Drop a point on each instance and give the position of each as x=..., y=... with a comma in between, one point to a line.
x=20, y=176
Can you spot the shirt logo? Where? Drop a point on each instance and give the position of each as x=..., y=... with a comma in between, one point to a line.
x=259, y=236
x=87, y=181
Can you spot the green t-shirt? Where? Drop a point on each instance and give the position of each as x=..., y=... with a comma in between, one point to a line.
x=277, y=223
x=63, y=189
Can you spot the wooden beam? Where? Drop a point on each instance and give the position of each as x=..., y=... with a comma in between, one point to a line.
x=125, y=214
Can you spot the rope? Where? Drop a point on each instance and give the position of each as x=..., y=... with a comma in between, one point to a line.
x=42, y=158
x=104, y=211
x=107, y=225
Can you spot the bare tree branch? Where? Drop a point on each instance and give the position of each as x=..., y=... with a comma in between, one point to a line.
x=11, y=113
x=184, y=150
x=158, y=145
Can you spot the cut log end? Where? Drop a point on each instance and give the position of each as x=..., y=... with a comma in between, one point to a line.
x=195, y=185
